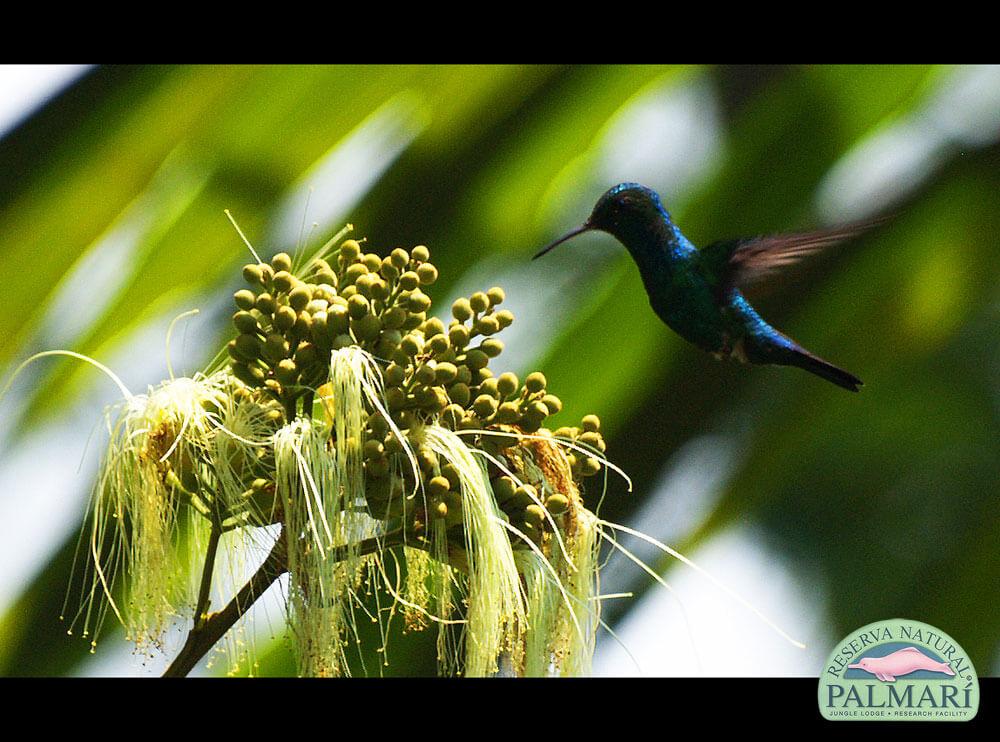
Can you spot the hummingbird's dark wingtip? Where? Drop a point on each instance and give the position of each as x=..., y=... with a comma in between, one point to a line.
x=569, y=235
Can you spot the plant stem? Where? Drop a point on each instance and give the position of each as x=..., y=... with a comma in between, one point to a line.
x=205, y=634
x=213, y=627
x=204, y=593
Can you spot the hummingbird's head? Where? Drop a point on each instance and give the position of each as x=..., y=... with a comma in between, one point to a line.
x=620, y=211
x=624, y=205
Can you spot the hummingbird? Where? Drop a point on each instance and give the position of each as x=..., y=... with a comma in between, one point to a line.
x=697, y=292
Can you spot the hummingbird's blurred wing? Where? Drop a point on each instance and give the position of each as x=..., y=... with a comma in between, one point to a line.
x=738, y=263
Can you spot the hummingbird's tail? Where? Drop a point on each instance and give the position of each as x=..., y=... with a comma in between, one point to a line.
x=780, y=349
x=816, y=365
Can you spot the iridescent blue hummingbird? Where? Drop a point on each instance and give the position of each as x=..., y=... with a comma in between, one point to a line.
x=696, y=292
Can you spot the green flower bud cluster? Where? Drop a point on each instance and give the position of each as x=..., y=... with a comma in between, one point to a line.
x=288, y=325
x=588, y=436
x=289, y=321
x=528, y=508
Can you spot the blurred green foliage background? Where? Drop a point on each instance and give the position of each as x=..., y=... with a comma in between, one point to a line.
x=884, y=503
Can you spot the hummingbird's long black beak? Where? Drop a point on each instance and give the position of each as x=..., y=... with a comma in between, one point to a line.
x=569, y=235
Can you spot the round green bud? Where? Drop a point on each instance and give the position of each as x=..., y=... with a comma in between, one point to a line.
x=452, y=415
x=394, y=317
x=557, y=504
x=459, y=394
x=495, y=295
x=426, y=373
x=590, y=438
x=504, y=318
x=283, y=282
x=337, y=319
x=436, y=399
x=244, y=299
x=419, y=302
x=320, y=330
x=395, y=398
x=445, y=373
x=395, y=374
x=253, y=274
x=536, y=410
x=489, y=386
x=236, y=354
x=326, y=277
x=409, y=281
x=245, y=322
x=534, y=514
x=303, y=325
x=427, y=274
x=507, y=384
x=553, y=403
x=440, y=510
x=470, y=422
x=378, y=425
x=420, y=253
x=464, y=374
x=412, y=344
x=373, y=449
x=364, y=284
x=524, y=495
x=438, y=486
x=348, y=292
x=300, y=297
x=249, y=375
x=357, y=306
x=427, y=460
x=379, y=289
x=491, y=347
x=476, y=359
x=388, y=270
x=354, y=272
x=508, y=413
x=486, y=325
x=458, y=335
x=484, y=406
x=432, y=327
x=590, y=467
x=535, y=382
x=461, y=309
x=591, y=423
x=267, y=274
x=281, y=262
x=266, y=304
x=372, y=262
x=366, y=328
x=287, y=372
x=400, y=258
x=504, y=488
x=275, y=348
x=248, y=345
x=350, y=250
x=284, y=318
x=479, y=302
x=306, y=355
x=439, y=345
x=317, y=305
